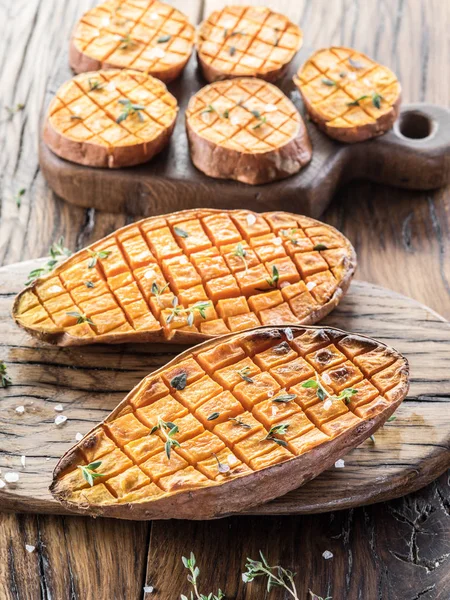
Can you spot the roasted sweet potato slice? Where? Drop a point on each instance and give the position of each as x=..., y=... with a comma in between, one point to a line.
x=246, y=129
x=154, y=280
x=110, y=119
x=348, y=95
x=243, y=419
x=147, y=35
x=246, y=41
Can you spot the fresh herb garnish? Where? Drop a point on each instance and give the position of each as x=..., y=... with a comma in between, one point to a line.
x=287, y=233
x=89, y=471
x=213, y=416
x=357, y=101
x=376, y=99
x=240, y=422
x=226, y=114
x=12, y=110
x=241, y=253
x=168, y=430
x=262, y=120
x=95, y=85
x=355, y=64
x=328, y=82
x=5, y=379
x=372, y=438
x=89, y=284
x=393, y=418
x=194, y=571
x=180, y=232
x=232, y=51
x=75, y=118
x=273, y=281
x=209, y=109
x=189, y=312
x=316, y=597
x=284, y=398
x=80, y=317
x=127, y=42
x=243, y=374
x=277, y=576
x=163, y=39
x=277, y=430
x=18, y=197
x=179, y=381
x=318, y=247
x=130, y=109
x=96, y=255
x=221, y=466
x=158, y=291
x=345, y=395
x=342, y=74
x=277, y=39
x=57, y=252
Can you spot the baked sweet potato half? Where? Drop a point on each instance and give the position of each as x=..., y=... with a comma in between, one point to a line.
x=348, y=95
x=246, y=41
x=246, y=129
x=145, y=35
x=233, y=423
x=114, y=118
x=189, y=276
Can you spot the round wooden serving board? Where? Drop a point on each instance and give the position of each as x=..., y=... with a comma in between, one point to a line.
x=407, y=453
x=415, y=154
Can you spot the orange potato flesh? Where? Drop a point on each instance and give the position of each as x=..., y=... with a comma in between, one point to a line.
x=246, y=129
x=111, y=298
x=148, y=36
x=348, y=95
x=246, y=41
x=89, y=121
x=225, y=435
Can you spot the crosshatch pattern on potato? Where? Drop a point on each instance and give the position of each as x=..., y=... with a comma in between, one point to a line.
x=191, y=275
x=229, y=409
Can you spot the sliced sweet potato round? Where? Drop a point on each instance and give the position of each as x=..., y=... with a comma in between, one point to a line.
x=190, y=276
x=246, y=41
x=348, y=95
x=112, y=118
x=246, y=129
x=147, y=35
x=233, y=423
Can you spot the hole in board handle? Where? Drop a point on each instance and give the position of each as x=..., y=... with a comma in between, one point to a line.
x=415, y=125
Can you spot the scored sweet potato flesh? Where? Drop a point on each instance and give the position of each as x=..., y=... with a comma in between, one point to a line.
x=227, y=410
x=145, y=35
x=191, y=275
x=240, y=41
x=347, y=94
x=110, y=110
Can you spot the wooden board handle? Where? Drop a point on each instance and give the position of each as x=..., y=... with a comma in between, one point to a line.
x=415, y=154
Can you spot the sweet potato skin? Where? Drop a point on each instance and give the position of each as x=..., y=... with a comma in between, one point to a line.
x=253, y=169
x=245, y=491
x=62, y=338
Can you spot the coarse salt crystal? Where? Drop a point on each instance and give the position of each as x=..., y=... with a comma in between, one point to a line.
x=54, y=289
x=111, y=87
x=270, y=393
x=327, y=555
x=270, y=107
x=20, y=410
x=326, y=378
x=232, y=460
x=148, y=589
x=277, y=241
x=2, y=483
x=352, y=76
x=311, y=285
x=12, y=477
x=76, y=110
x=150, y=274
x=30, y=548
x=327, y=405
x=106, y=21
x=367, y=82
x=251, y=219
x=289, y=334
x=156, y=53
x=339, y=464
x=23, y=460
x=274, y=411
x=60, y=419
x=284, y=284
x=79, y=437
x=154, y=16
x=59, y=408
x=235, y=120
x=96, y=33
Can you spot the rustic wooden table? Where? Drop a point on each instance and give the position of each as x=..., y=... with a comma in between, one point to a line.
x=394, y=551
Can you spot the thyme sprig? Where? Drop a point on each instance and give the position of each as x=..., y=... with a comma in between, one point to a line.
x=277, y=430
x=57, y=253
x=244, y=374
x=194, y=572
x=240, y=422
x=345, y=395
x=290, y=232
x=18, y=197
x=241, y=253
x=262, y=119
x=188, y=312
x=129, y=109
x=376, y=99
x=273, y=280
x=80, y=317
x=89, y=471
x=357, y=101
x=276, y=576
x=284, y=398
x=96, y=255
x=95, y=85
x=158, y=291
x=127, y=42
x=12, y=110
x=168, y=430
x=5, y=379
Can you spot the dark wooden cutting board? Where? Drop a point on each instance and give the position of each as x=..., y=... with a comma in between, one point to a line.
x=414, y=155
x=407, y=453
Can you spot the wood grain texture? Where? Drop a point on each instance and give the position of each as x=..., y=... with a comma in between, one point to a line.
x=393, y=551
x=91, y=381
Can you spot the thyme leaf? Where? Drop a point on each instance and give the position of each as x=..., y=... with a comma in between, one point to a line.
x=376, y=99
x=241, y=253
x=240, y=422
x=213, y=416
x=393, y=418
x=102, y=254
x=180, y=232
x=5, y=379
x=273, y=281
x=80, y=317
x=284, y=398
x=163, y=39
x=357, y=101
x=262, y=120
x=18, y=197
x=127, y=42
x=355, y=64
x=179, y=381
x=12, y=110
x=277, y=430
x=95, y=85
x=89, y=284
x=318, y=247
x=168, y=430
x=57, y=252
x=243, y=374
x=130, y=109
x=232, y=51
x=328, y=82
x=345, y=395
x=89, y=471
